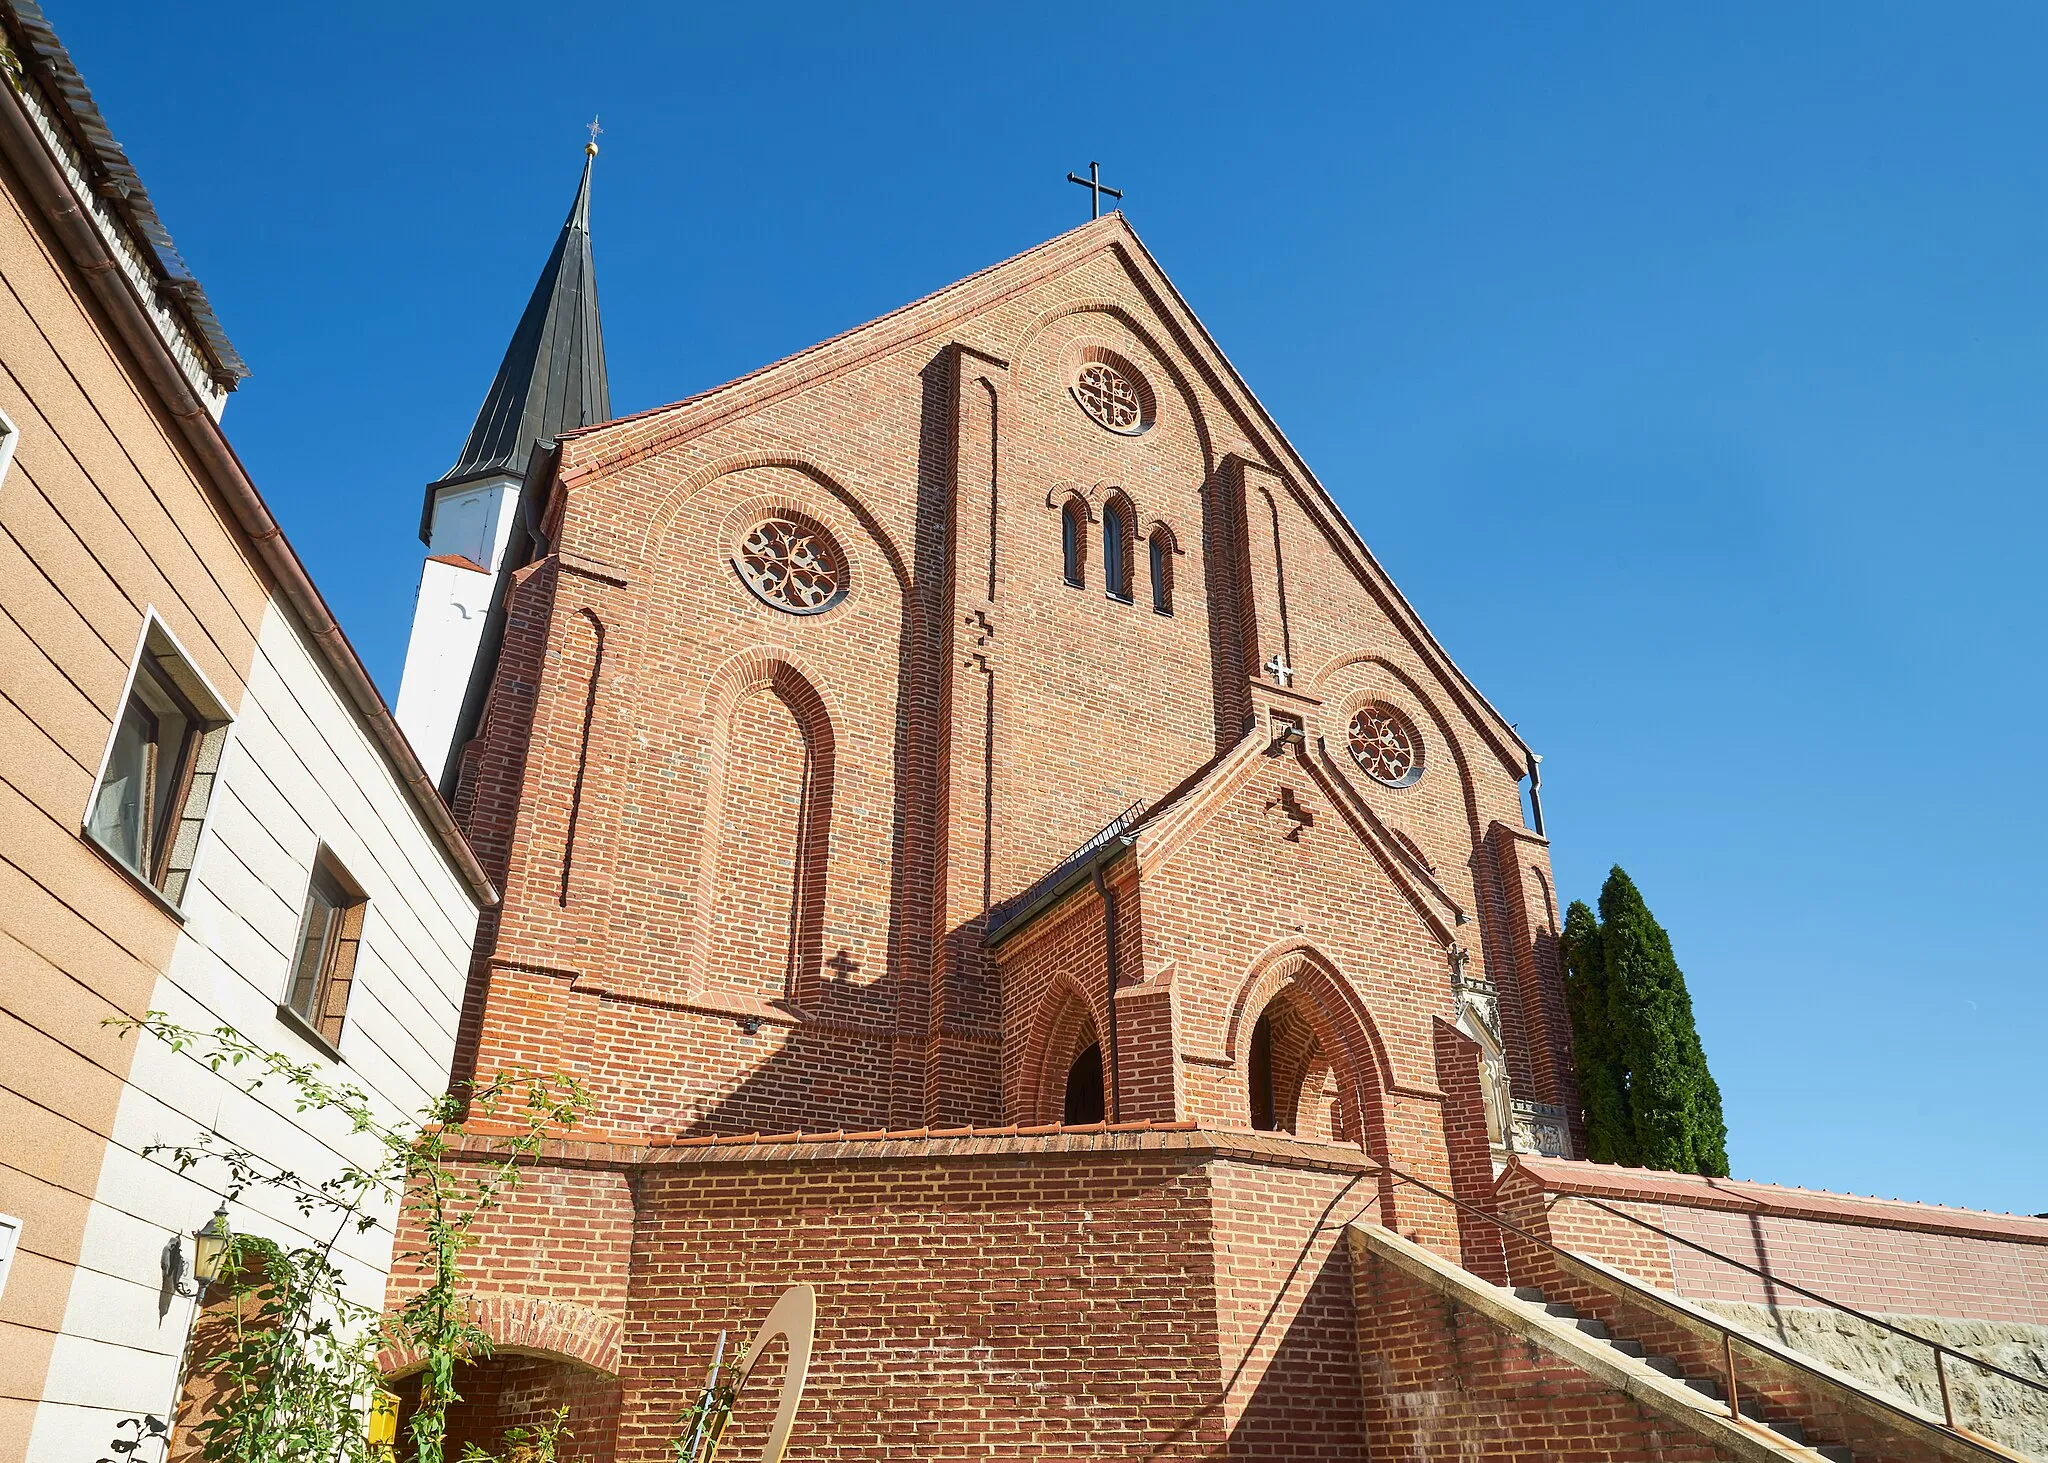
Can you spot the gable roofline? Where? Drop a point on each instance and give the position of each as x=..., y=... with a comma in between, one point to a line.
x=826, y=357
x=50, y=191
x=60, y=106
x=600, y=449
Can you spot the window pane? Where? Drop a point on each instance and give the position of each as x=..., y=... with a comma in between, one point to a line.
x=174, y=734
x=173, y=738
x=309, y=963
x=117, y=814
x=1113, y=552
x=1070, y=541
x=1162, y=590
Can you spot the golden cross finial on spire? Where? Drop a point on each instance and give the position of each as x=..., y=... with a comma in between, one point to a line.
x=591, y=146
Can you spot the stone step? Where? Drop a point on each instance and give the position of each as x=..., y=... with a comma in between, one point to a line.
x=1750, y=1407
x=1753, y=1408
x=1788, y=1429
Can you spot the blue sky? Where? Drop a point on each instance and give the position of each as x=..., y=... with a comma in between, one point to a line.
x=1684, y=365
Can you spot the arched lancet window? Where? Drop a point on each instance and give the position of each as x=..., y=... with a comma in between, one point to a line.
x=1116, y=550
x=1084, y=1088
x=1260, y=1071
x=1162, y=570
x=1074, y=543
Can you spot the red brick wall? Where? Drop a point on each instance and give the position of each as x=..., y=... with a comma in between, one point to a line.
x=1055, y=1000
x=514, y=1391
x=1916, y=1273
x=1284, y=1302
x=949, y=1313
x=1441, y=1381
x=1873, y=1255
x=751, y=940
x=763, y=846
x=1469, y=1150
x=1137, y=1295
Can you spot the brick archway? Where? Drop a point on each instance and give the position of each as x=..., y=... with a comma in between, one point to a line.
x=1065, y=1025
x=525, y=1325
x=1351, y=1067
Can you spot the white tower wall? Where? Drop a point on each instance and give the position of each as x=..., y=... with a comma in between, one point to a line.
x=472, y=524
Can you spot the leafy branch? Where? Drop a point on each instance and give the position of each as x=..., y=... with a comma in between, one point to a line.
x=288, y=1356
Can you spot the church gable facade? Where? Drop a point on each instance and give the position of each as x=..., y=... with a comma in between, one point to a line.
x=817, y=676
x=975, y=817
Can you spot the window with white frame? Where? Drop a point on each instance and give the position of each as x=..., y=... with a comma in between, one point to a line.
x=162, y=760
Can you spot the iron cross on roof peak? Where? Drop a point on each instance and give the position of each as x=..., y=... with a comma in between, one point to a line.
x=1096, y=187
x=591, y=146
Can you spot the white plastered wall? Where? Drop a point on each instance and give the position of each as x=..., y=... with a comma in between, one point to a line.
x=471, y=524
x=301, y=771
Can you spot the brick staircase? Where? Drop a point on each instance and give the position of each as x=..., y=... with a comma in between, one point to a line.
x=1667, y=1366
x=1589, y=1364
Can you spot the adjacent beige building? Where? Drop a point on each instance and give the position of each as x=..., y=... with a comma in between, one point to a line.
x=205, y=808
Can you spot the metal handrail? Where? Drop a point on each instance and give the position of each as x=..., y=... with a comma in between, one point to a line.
x=1728, y=1331
x=1939, y=1347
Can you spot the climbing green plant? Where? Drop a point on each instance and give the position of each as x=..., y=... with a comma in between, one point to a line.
x=537, y=1444
x=1649, y=1097
x=291, y=1361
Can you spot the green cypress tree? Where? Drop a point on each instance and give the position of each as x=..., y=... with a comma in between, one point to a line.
x=1674, y=1104
x=1603, y=1086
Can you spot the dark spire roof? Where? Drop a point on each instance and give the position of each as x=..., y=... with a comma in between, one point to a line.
x=552, y=378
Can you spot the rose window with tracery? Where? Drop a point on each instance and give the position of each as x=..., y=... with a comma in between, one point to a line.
x=791, y=566
x=1110, y=397
x=1385, y=746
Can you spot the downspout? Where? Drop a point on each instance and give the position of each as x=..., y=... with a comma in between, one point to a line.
x=1109, y=959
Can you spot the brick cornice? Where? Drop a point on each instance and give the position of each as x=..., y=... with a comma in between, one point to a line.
x=1570, y=1178
x=1110, y=1140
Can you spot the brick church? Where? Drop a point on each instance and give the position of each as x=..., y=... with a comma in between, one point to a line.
x=997, y=846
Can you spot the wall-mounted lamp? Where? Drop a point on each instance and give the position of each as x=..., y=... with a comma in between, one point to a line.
x=210, y=1244
x=210, y=1247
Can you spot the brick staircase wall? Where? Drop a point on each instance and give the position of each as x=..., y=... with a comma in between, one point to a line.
x=1441, y=1380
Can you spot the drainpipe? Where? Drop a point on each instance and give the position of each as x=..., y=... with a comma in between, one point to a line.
x=1116, y=1105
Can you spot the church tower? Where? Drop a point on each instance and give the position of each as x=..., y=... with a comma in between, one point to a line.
x=552, y=380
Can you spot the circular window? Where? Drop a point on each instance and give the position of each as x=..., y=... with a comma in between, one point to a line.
x=792, y=566
x=1111, y=397
x=1386, y=746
